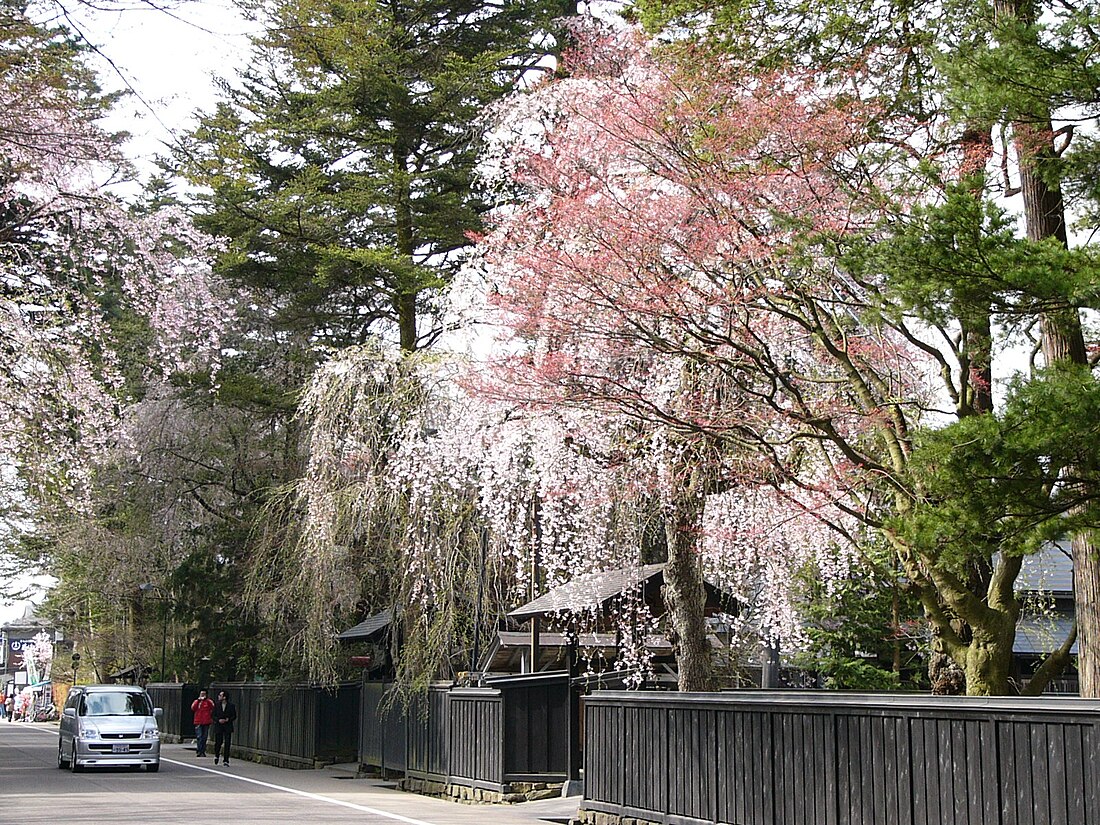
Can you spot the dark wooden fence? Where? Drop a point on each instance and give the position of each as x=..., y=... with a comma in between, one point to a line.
x=175, y=700
x=516, y=729
x=538, y=726
x=842, y=759
x=296, y=726
x=299, y=724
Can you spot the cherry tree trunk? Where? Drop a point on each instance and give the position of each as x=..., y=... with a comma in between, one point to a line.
x=685, y=600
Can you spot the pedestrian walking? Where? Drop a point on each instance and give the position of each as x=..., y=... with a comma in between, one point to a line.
x=225, y=713
x=203, y=715
x=10, y=705
x=3, y=706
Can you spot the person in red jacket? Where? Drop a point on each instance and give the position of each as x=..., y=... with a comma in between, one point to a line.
x=203, y=708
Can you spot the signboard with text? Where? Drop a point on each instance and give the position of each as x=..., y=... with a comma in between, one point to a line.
x=13, y=653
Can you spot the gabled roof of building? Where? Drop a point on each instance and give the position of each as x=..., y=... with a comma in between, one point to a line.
x=508, y=639
x=128, y=671
x=29, y=621
x=593, y=590
x=589, y=591
x=654, y=641
x=510, y=647
x=367, y=628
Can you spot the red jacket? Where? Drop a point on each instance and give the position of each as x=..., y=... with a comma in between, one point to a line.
x=204, y=711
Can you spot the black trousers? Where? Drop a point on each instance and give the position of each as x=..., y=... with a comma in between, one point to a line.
x=221, y=737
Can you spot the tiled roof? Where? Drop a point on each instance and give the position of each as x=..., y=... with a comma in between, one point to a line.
x=1042, y=634
x=1049, y=571
x=368, y=627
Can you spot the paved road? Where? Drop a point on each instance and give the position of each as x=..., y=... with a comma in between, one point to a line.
x=191, y=791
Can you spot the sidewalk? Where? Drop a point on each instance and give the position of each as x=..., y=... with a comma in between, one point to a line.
x=341, y=782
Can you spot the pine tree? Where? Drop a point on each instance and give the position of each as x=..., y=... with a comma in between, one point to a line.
x=340, y=165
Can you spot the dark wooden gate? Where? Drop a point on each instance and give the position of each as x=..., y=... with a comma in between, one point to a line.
x=175, y=699
x=516, y=729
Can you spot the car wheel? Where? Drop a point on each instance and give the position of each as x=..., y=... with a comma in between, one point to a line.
x=153, y=768
x=73, y=765
x=62, y=762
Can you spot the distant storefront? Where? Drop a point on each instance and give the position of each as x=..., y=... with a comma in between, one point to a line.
x=15, y=636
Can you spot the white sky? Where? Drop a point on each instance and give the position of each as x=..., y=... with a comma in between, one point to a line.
x=14, y=610
x=168, y=59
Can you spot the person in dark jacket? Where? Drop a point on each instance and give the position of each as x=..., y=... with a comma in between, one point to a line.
x=225, y=713
x=203, y=709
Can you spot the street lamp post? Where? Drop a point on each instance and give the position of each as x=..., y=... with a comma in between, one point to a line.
x=163, y=640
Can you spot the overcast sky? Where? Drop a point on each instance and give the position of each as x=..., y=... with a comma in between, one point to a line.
x=166, y=60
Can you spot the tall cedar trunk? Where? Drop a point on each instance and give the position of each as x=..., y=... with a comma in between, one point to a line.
x=405, y=299
x=685, y=598
x=1062, y=339
x=1086, y=593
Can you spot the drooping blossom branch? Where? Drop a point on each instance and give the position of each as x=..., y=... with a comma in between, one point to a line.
x=77, y=268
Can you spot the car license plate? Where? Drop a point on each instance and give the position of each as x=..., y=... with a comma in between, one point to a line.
x=120, y=748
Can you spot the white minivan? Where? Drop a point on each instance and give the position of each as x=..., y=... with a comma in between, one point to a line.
x=105, y=725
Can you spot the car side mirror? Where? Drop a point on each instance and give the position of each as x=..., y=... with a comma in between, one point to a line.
x=158, y=712
x=70, y=712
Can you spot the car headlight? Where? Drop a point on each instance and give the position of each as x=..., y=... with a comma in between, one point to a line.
x=88, y=732
x=150, y=732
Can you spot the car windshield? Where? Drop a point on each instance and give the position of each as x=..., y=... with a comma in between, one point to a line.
x=115, y=704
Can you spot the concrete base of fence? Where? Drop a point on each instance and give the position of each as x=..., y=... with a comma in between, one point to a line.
x=374, y=772
x=511, y=794
x=573, y=787
x=279, y=760
x=585, y=817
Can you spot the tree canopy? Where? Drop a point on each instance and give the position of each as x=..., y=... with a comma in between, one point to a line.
x=754, y=282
